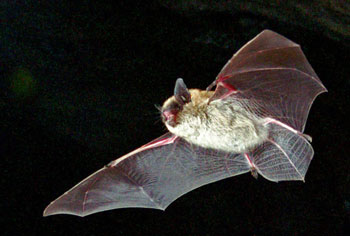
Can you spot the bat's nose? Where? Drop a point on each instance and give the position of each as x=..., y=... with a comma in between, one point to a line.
x=169, y=117
x=166, y=115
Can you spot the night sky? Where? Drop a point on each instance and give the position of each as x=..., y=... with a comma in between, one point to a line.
x=79, y=85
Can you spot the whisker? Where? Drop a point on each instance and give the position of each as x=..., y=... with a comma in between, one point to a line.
x=159, y=108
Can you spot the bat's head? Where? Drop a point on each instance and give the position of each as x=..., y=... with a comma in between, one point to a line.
x=185, y=103
x=175, y=104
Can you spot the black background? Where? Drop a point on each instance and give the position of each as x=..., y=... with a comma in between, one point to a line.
x=78, y=86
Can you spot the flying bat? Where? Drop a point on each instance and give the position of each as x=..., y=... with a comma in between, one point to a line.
x=252, y=122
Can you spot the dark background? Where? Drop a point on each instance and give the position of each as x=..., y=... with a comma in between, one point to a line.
x=78, y=86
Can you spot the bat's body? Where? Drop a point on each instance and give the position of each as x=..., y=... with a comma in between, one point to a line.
x=220, y=124
x=253, y=121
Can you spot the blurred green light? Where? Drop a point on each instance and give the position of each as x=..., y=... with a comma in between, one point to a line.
x=22, y=84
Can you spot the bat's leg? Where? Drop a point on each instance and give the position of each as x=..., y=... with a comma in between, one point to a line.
x=270, y=120
x=253, y=169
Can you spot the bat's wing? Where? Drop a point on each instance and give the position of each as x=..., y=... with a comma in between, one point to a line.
x=152, y=176
x=272, y=77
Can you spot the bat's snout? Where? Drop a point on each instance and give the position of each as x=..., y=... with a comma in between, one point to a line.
x=169, y=116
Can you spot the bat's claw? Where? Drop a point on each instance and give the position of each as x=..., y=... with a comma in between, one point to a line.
x=254, y=173
x=308, y=137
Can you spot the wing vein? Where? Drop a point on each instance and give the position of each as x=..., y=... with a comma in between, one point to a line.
x=285, y=154
x=278, y=68
x=142, y=189
x=86, y=194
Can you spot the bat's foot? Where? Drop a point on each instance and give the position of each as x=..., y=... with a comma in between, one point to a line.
x=306, y=136
x=254, y=173
x=253, y=170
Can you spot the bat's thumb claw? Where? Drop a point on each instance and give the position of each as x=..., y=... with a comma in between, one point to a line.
x=211, y=85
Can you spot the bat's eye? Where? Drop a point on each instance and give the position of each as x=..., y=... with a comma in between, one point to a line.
x=181, y=93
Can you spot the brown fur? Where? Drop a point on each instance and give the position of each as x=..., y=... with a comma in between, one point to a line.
x=220, y=124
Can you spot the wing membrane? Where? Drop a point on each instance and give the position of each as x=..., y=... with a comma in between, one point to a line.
x=285, y=156
x=274, y=75
x=152, y=178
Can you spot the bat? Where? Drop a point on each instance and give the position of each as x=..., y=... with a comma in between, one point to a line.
x=252, y=122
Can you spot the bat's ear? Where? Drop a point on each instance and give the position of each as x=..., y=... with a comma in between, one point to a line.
x=181, y=93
